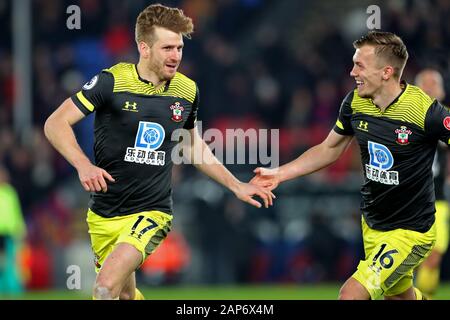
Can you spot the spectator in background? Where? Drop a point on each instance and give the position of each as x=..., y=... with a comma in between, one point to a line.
x=12, y=232
x=427, y=279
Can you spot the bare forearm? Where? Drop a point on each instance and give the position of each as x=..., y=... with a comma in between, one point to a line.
x=61, y=136
x=212, y=167
x=314, y=159
x=317, y=157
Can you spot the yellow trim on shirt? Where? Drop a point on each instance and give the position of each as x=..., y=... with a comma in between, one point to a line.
x=85, y=101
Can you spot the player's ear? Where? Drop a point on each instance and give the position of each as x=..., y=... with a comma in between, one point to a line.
x=144, y=49
x=388, y=72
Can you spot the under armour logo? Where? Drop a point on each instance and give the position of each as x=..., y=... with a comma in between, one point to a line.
x=363, y=125
x=130, y=106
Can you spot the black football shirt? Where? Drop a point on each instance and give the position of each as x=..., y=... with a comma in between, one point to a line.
x=397, y=149
x=133, y=136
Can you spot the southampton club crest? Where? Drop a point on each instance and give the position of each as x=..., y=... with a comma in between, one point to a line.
x=177, y=110
x=403, y=135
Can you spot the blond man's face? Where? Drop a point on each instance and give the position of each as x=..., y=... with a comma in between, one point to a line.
x=166, y=53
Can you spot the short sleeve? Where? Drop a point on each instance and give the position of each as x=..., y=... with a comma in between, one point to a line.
x=192, y=119
x=343, y=124
x=437, y=123
x=95, y=93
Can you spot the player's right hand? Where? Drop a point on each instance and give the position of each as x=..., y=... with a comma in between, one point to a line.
x=92, y=178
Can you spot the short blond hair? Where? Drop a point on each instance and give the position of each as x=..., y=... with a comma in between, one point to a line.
x=157, y=15
x=388, y=46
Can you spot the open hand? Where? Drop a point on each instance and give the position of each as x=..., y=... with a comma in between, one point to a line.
x=266, y=178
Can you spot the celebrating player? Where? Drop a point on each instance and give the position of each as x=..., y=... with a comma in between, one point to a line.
x=137, y=108
x=397, y=127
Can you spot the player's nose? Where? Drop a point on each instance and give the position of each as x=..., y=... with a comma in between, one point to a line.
x=175, y=55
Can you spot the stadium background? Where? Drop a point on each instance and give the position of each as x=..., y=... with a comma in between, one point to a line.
x=259, y=64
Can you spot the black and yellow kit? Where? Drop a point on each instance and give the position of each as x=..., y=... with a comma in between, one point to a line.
x=397, y=147
x=133, y=129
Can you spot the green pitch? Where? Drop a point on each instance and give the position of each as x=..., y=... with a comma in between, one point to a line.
x=266, y=292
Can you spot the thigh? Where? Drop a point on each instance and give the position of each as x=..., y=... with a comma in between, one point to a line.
x=104, y=233
x=388, y=267
x=116, y=271
x=146, y=230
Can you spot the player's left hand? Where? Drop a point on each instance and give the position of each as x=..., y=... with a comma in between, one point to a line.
x=266, y=178
x=246, y=191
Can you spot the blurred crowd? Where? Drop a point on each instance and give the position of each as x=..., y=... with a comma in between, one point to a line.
x=255, y=69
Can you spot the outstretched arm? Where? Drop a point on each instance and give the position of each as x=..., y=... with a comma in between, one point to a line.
x=58, y=130
x=314, y=159
x=204, y=160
